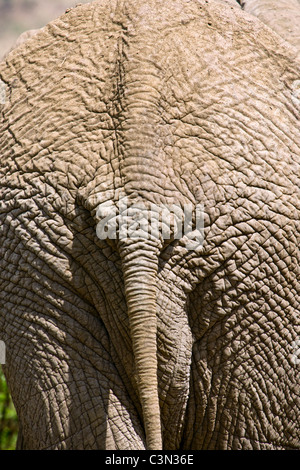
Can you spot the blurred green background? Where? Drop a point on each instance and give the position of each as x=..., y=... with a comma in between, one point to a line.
x=8, y=418
x=17, y=16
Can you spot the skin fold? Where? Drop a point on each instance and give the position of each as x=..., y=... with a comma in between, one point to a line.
x=21, y=39
x=151, y=342
x=283, y=16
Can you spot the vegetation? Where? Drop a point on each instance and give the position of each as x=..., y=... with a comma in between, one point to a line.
x=8, y=418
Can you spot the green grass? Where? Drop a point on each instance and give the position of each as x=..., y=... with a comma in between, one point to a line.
x=8, y=418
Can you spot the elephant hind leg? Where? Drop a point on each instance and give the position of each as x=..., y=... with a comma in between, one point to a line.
x=20, y=441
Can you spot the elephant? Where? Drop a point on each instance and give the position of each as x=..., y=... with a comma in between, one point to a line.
x=22, y=39
x=283, y=16
x=149, y=180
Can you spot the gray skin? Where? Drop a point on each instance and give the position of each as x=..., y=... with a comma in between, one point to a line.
x=283, y=16
x=148, y=343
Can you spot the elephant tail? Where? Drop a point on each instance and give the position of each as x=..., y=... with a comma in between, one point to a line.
x=139, y=262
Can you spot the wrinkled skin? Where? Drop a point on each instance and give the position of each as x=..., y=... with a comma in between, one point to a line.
x=283, y=16
x=21, y=39
x=170, y=103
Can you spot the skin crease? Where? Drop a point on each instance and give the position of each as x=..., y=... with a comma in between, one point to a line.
x=115, y=344
x=21, y=39
x=283, y=16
